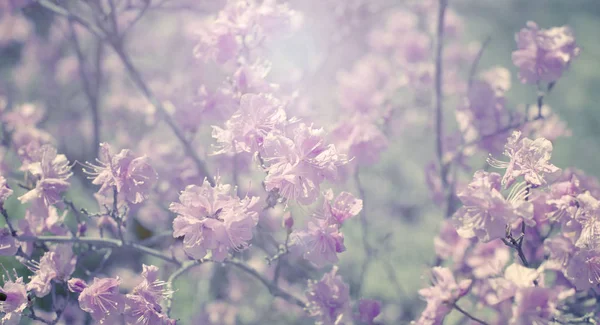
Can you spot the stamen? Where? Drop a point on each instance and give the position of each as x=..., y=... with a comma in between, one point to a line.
x=495, y=163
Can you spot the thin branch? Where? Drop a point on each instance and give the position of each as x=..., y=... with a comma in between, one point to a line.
x=273, y=289
x=117, y=45
x=476, y=60
x=280, y=255
x=464, y=312
x=439, y=93
x=13, y=232
x=139, y=82
x=102, y=242
x=186, y=266
x=90, y=93
x=58, y=10
x=364, y=232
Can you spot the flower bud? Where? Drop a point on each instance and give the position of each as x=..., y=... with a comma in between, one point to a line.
x=288, y=221
x=76, y=285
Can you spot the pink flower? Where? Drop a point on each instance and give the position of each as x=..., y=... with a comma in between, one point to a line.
x=143, y=304
x=440, y=297
x=484, y=110
x=241, y=27
x=560, y=250
x=298, y=164
x=448, y=244
x=537, y=305
x=485, y=212
x=22, y=121
x=5, y=191
x=15, y=301
x=8, y=243
x=360, y=139
x=246, y=130
x=329, y=299
x=320, y=242
x=488, y=259
x=528, y=158
x=76, y=285
x=368, y=310
x=102, y=300
x=133, y=177
x=52, y=171
x=544, y=54
x=339, y=209
x=211, y=219
x=56, y=265
x=584, y=268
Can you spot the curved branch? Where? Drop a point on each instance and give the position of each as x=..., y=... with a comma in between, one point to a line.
x=102, y=242
x=273, y=289
x=186, y=266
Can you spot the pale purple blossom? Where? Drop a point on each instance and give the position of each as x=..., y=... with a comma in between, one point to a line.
x=56, y=265
x=448, y=244
x=22, y=120
x=5, y=191
x=537, y=305
x=241, y=27
x=246, y=130
x=143, y=304
x=544, y=54
x=360, y=139
x=76, y=285
x=560, y=249
x=329, y=299
x=515, y=277
x=102, y=300
x=528, y=158
x=15, y=301
x=131, y=176
x=298, y=164
x=484, y=110
x=8, y=244
x=338, y=209
x=440, y=297
x=584, y=268
x=587, y=214
x=212, y=219
x=321, y=242
x=52, y=172
x=488, y=259
x=368, y=310
x=485, y=212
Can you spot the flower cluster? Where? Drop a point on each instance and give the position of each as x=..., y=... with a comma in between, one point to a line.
x=329, y=302
x=130, y=176
x=212, y=219
x=544, y=54
x=322, y=239
x=244, y=90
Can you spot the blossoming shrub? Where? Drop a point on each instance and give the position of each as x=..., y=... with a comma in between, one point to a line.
x=161, y=163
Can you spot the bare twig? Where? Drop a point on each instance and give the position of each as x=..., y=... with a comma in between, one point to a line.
x=139, y=81
x=90, y=91
x=439, y=94
x=101, y=242
x=58, y=10
x=186, y=266
x=13, y=232
x=273, y=289
x=117, y=44
x=464, y=312
x=476, y=61
x=364, y=231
